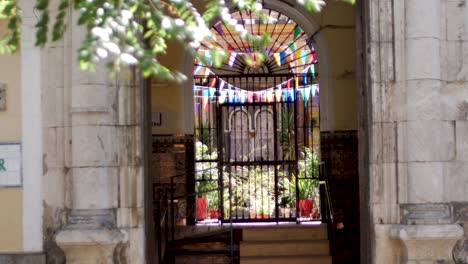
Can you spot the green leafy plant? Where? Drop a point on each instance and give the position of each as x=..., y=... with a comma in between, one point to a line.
x=139, y=32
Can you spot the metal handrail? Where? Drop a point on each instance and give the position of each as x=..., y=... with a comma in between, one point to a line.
x=162, y=215
x=328, y=208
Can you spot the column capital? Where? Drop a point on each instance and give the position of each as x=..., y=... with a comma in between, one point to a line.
x=427, y=243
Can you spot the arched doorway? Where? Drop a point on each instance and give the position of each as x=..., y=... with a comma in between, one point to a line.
x=257, y=125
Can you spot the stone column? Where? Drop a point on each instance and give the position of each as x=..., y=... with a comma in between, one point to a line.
x=104, y=190
x=426, y=141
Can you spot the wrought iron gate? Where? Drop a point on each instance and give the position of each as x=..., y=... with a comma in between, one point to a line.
x=256, y=159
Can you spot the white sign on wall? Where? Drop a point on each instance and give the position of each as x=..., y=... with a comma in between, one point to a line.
x=10, y=165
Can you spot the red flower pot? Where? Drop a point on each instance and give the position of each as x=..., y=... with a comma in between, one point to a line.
x=201, y=208
x=214, y=214
x=305, y=207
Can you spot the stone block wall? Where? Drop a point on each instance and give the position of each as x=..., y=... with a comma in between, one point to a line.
x=418, y=169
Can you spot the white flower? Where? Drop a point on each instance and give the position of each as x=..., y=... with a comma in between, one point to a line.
x=166, y=23
x=126, y=14
x=100, y=11
x=112, y=47
x=179, y=22
x=233, y=22
x=226, y=16
x=127, y=58
x=102, y=53
x=258, y=6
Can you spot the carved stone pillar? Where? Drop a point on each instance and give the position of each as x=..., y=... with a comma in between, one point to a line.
x=427, y=244
x=101, y=167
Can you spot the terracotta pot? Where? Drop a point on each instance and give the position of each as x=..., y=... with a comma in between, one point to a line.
x=214, y=214
x=305, y=207
x=201, y=208
x=252, y=215
x=264, y=216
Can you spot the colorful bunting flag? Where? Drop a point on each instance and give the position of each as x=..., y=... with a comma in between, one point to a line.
x=297, y=31
x=278, y=93
x=220, y=30
x=250, y=97
x=258, y=96
x=221, y=84
x=303, y=57
x=212, y=91
x=292, y=94
x=296, y=81
x=205, y=99
x=285, y=94
x=312, y=69
x=314, y=88
x=304, y=78
x=208, y=57
x=277, y=59
x=282, y=56
x=232, y=58
x=222, y=96
x=242, y=96
x=307, y=94
x=298, y=55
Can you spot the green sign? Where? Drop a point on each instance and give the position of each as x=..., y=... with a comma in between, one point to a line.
x=2, y=165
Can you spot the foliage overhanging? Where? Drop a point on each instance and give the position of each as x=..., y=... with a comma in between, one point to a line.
x=135, y=32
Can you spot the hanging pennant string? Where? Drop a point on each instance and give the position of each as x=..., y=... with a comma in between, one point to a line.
x=231, y=95
x=277, y=59
x=271, y=96
x=312, y=69
x=241, y=97
x=303, y=57
x=296, y=82
x=314, y=88
x=282, y=56
x=205, y=99
x=297, y=31
x=250, y=97
x=279, y=94
x=232, y=59
x=304, y=78
x=297, y=55
x=288, y=84
x=220, y=30
x=314, y=57
x=292, y=47
x=199, y=65
x=221, y=84
x=286, y=95
x=212, y=91
x=258, y=96
x=307, y=94
x=208, y=57
x=222, y=96
x=293, y=97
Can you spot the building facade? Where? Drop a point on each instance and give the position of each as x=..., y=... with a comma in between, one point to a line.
x=74, y=184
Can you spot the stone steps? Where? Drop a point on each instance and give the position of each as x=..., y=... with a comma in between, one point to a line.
x=308, y=259
x=293, y=244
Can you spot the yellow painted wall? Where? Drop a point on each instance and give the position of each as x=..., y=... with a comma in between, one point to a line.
x=11, y=219
x=10, y=131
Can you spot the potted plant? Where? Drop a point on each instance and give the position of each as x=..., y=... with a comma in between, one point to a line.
x=213, y=204
x=203, y=188
x=305, y=202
